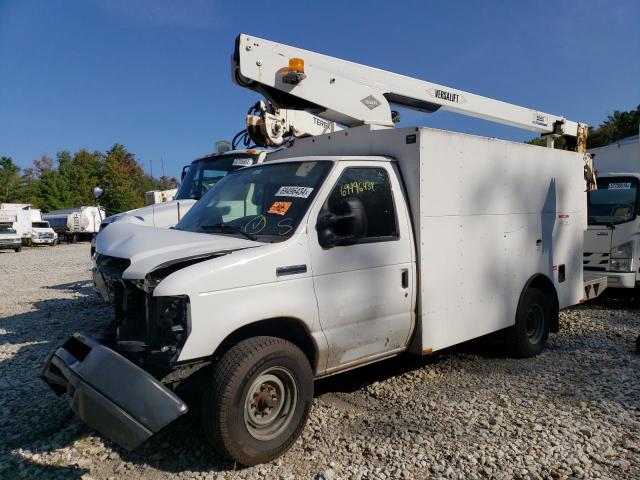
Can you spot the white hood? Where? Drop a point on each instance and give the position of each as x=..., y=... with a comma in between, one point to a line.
x=147, y=247
x=160, y=215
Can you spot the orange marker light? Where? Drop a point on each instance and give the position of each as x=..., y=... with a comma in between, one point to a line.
x=296, y=64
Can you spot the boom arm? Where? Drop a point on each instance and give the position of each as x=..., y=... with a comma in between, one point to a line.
x=353, y=94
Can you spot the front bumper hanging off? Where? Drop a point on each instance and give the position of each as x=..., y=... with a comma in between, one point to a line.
x=109, y=393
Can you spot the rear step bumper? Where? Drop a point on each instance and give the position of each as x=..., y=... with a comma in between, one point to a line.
x=109, y=393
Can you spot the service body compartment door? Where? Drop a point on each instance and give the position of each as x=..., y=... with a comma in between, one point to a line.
x=365, y=290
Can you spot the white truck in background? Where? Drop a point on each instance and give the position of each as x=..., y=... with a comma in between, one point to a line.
x=73, y=224
x=9, y=237
x=342, y=250
x=22, y=222
x=41, y=231
x=611, y=244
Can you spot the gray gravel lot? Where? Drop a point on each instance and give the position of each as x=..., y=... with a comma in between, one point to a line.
x=469, y=412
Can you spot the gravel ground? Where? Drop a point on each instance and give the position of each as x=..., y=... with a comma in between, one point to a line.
x=469, y=412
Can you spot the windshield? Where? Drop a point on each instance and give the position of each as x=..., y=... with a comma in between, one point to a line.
x=40, y=224
x=5, y=229
x=204, y=174
x=265, y=202
x=613, y=202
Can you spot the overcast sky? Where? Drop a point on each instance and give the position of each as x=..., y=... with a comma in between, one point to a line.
x=154, y=74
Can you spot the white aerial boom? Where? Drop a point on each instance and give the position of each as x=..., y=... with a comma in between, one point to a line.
x=316, y=85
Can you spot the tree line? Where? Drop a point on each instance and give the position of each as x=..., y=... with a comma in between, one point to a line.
x=69, y=180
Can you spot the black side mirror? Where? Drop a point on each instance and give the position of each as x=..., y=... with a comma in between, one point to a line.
x=343, y=228
x=184, y=172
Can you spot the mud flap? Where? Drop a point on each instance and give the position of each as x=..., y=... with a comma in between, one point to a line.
x=109, y=393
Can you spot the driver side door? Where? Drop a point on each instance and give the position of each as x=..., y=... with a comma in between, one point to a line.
x=365, y=289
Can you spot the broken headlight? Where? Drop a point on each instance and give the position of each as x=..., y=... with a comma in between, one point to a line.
x=173, y=318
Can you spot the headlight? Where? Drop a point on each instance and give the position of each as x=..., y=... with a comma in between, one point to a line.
x=621, y=258
x=173, y=317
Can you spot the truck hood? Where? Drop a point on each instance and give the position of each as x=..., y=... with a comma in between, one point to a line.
x=161, y=215
x=147, y=247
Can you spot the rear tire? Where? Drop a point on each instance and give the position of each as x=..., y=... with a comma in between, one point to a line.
x=258, y=400
x=528, y=337
x=17, y=250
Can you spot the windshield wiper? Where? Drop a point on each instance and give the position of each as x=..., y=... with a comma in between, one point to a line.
x=229, y=228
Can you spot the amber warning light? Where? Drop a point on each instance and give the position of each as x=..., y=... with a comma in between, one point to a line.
x=295, y=72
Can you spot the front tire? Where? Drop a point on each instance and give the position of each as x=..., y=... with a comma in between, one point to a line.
x=528, y=337
x=258, y=400
x=17, y=250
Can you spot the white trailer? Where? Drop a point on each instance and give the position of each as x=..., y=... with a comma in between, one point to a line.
x=611, y=245
x=76, y=223
x=342, y=250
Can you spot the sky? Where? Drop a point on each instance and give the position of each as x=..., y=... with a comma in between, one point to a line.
x=154, y=75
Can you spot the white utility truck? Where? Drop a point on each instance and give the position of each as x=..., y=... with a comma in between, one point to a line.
x=73, y=224
x=197, y=179
x=9, y=237
x=342, y=250
x=203, y=173
x=22, y=222
x=611, y=245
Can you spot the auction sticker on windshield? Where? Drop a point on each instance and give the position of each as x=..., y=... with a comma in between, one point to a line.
x=620, y=186
x=279, y=208
x=293, y=191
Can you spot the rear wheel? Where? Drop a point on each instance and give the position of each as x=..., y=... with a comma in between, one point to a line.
x=19, y=249
x=529, y=335
x=258, y=400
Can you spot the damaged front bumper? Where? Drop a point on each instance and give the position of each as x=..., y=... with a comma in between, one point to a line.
x=109, y=393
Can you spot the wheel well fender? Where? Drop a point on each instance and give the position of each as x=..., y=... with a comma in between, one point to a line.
x=544, y=284
x=287, y=328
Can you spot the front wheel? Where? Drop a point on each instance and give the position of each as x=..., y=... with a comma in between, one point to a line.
x=528, y=337
x=258, y=400
x=19, y=249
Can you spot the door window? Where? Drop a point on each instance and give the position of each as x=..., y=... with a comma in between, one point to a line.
x=373, y=188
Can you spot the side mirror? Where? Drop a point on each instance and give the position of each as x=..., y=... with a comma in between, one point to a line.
x=98, y=192
x=343, y=228
x=184, y=172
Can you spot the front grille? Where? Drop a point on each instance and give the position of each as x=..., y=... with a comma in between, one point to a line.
x=595, y=261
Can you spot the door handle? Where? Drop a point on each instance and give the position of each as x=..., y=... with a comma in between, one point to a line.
x=405, y=278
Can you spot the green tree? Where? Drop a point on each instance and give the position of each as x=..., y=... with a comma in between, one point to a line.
x=54, y=192
x=9, y=179
x=123, y=180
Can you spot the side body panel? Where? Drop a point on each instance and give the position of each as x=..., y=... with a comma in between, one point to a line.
x=492, y=215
